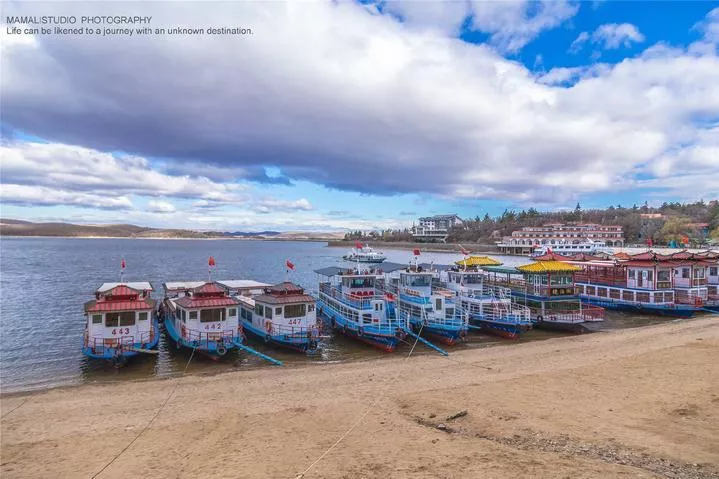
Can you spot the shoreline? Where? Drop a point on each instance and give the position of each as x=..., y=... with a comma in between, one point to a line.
x=635, y=402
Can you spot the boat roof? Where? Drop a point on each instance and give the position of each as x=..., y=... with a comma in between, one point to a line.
x=435, y=267
x=548, y=267
x=242, y=284
x=478, y=261
x=181, y=285
x=380, y=269
x=138, y=285
x=501, y=269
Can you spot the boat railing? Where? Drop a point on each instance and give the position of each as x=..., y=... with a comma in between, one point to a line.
x=587, y=313
x=615, y=293
x=289, y=331
x=693, y=296
x=387, y=325
x=355, y=300
x=99, y=343
x=500, y=311
x=203, y=338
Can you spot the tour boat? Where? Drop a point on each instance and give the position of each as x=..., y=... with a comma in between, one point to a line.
x=671, y=285
x=428, y=308
x=570, y=247
x=712, y=258
x=489, y=308
x=120, y=322
x=546, y=288
x=201, y=315
x=364, y=254
x=354, y=303
x=283, y=315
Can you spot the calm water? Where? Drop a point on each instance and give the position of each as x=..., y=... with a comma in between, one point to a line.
x=45, y=281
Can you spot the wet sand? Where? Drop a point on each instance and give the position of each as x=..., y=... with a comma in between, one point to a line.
x=638, y=402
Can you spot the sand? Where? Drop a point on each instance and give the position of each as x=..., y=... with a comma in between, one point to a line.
x=631, y=403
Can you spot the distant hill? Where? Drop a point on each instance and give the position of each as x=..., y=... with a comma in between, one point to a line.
x=13, y=227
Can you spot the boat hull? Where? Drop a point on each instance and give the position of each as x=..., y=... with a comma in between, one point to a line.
x=660, y=309
x=383, y=342
x=445, y=335
x=296, y=344
x=505, y=330
x=561, y=326
x=215, y=349
x=120, y=357
x=363, y=260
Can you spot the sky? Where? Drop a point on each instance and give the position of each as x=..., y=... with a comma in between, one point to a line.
x=358, y=115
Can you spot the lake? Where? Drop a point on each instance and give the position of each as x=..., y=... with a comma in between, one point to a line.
x=44, y=283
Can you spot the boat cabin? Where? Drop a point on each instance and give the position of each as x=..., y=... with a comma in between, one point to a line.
x=202, y=310
x=549, y=278
x=284, y=308
x=120, y=314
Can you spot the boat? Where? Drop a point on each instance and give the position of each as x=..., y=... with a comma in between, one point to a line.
x=669, y=285
x=712, y=275
x=489, y=308
x=121, y=322
x=546, y=288
x=354, y=303
x=364, y=254
x=429, y=308
x=201, y=315
x=568, y=247
x=283, y=316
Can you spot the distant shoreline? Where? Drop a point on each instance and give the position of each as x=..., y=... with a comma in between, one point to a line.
x=213, y=238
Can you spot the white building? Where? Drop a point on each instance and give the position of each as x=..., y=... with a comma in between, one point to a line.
x=525, y=240
x=435, y=228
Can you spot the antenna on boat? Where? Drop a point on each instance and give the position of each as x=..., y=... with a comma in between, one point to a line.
x=289, y=265
x=122, y=270
x=210, y=266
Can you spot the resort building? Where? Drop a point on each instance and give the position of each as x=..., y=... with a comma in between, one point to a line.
x=435, y=228
x=527, y=239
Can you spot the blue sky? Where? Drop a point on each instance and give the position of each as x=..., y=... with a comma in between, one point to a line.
x=341, y=115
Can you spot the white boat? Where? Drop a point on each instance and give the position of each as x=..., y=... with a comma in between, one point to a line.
x=587, y=247
x=364, y=254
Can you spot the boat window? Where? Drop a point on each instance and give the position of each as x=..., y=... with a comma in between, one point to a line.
x=650, y=275
x=268, y=312
x=233, y=312
x=125, y=318
x=310, y=307
x=713, y=271
x=699, y=273
x=685, y=272
x=96, y=318
x=438, y=304
x=632, y=274
x=212, y=315
x=259, y=310
x=278, y=311
x=663, y=275
x=367, y=318
x=362, y=283
x=294, y=310
x=418, y=280
x=193, y=314
x=142, y=316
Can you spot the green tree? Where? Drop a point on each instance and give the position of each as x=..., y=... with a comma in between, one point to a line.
x=674, y=229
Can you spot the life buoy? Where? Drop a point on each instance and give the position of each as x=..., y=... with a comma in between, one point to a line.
x=221, y=350
x=360, y=331
x=268, y=326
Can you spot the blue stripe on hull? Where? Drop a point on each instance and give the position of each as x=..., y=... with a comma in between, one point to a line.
x=506, y=330
x=675, y=311
x=301, y=345
x=210, y=347
x=112, y=353
x=383, y=342
x=445, y=334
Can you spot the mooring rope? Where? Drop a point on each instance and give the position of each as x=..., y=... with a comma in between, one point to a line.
x=364, y=414
x=157, y=413
x=13, y=409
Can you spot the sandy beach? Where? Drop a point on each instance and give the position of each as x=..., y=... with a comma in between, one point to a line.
x=630, y=403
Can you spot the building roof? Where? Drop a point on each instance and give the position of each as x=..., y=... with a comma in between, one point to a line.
x=478, y=261
x=190, y=302
x=209, y=289
x=552, y=256
x=548, y=267
x=103, y=306
x=138, y=285
x=182, y=285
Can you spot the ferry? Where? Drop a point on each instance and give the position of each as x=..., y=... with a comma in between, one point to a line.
x=201, y=315
x=364, y=254
x=712, y=259
x=587, y=247
x=354, y=303
x=547, y=289
x=120, y=322
x=489, y=308
x=283, y=316
x=670, y=285
x=429, y=308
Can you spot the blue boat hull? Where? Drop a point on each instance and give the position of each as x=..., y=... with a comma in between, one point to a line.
x=505, y=330
x=121, y=356
x=338, y=322
x=298, y=344
x=213, y=349
x=445, y=334
x=675, y=311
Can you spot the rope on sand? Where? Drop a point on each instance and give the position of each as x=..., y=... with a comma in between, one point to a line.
x=13, y=409
x=364, y=414
x=157, y=413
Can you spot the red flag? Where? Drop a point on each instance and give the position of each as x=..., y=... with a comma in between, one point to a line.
x=211, y=261
x=122, y=263
x=650, y=243
x=358, y=245
x=290, y=265
x=416, y=251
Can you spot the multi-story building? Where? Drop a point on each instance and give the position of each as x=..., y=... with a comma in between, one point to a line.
x=527, y=239
x=435, y=228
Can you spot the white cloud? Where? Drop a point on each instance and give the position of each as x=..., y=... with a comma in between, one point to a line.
x=157, y=206
x=267, y=205
x=335, y=95
x=30, y=195
x=609, y=36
